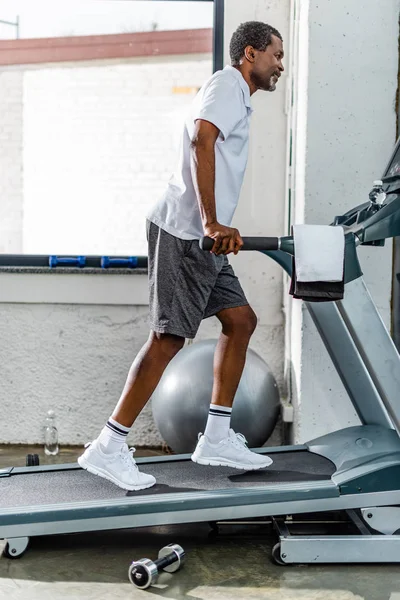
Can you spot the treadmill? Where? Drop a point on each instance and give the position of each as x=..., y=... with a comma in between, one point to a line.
x=355, y=470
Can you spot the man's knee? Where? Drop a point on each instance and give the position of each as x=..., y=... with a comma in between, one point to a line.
x=166, y=343
x=241, y=320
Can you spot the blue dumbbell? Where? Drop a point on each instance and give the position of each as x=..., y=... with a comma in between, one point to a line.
x=130, y=262
x=73, y=261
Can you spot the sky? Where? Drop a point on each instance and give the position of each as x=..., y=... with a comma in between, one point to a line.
x=55, y=18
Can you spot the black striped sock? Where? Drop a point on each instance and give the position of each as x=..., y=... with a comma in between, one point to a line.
x=218, y=423
x=113, y=436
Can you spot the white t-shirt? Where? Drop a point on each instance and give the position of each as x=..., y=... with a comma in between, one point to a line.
x=224, y=100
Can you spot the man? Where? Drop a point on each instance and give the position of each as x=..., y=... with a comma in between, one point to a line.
x=186, y=284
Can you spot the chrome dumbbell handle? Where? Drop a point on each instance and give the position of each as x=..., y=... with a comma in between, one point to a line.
x=171, y=558
x=144, y=572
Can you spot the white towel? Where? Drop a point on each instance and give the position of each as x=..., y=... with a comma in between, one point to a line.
x=319, y=252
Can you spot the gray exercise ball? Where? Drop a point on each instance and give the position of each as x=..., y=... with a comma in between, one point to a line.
x=182, y=399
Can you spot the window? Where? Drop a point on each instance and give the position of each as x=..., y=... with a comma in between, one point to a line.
x=92, y=99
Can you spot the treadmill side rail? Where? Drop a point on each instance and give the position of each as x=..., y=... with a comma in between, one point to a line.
x=112, y=517
x=6, y=472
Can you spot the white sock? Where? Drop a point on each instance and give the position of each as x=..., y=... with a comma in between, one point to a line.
x=113, y=436
x=218, y=423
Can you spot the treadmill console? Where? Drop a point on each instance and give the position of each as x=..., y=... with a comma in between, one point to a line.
x=374, y=221
x=391, y=176
x=393, y=168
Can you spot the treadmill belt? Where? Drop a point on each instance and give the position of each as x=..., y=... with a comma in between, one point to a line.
x=57, y=487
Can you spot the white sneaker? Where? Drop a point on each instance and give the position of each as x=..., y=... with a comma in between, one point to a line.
x=119, y=468
x=230, y=452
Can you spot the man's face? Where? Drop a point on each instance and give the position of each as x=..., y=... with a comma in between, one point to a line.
x=267, y=66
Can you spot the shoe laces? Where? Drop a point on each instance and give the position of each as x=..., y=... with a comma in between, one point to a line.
x=239, y=440
x=127, y=456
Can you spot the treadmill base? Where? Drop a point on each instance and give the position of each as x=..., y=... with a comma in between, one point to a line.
x=366, y=546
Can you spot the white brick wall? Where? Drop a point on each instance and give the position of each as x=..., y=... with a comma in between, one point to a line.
x=74, y=359
x=11, y=185
x=87, y=169
x=100, y=142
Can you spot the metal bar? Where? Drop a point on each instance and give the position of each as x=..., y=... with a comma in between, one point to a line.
x=73, y=261
x=218, y=36
x=376, y=348
x=280, y=527
x=361, y=526
x=396, y=293
x=271, y=520
x=256, y=523
x=348, y=362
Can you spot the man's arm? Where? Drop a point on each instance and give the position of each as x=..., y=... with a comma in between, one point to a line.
x=202, y=162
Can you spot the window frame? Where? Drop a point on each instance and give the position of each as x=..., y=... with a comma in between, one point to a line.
x=76, y=262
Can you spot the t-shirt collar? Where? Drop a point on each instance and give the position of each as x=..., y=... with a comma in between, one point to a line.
x=243, y=84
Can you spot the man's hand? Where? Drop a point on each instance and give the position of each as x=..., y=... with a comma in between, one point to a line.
x=226, y=239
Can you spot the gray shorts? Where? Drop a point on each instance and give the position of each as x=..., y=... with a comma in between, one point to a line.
x=186, y=284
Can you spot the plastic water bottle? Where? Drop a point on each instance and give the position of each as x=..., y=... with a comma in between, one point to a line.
x=377, y=194
x=50, y=435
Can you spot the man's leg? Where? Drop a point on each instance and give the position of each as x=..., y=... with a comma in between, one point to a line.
x=145, y=374
x=143, y=378
x=220, y=446
x=238, y=325
x=108, y=455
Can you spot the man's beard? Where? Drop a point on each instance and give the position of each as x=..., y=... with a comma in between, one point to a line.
x=272, y=85
x=268, y=85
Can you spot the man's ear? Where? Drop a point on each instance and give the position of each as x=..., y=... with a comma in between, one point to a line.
x=249, y=53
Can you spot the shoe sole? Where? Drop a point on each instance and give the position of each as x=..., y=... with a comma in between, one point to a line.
x=214, y=462
x=96, y=471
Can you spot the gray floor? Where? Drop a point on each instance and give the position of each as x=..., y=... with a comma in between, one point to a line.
x=234, y=565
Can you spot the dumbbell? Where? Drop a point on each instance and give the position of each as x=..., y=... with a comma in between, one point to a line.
x=144, y=572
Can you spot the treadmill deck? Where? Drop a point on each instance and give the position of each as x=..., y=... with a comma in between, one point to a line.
x=34, y=487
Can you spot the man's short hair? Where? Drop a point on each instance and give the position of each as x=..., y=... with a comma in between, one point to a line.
x=252, y=33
